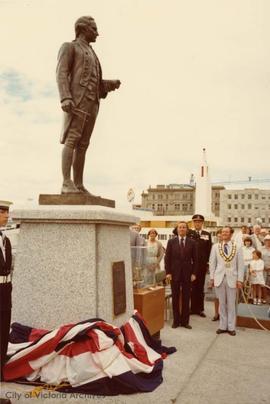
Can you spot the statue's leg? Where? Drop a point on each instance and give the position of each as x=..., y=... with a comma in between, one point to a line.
x=67, y=158
x=72, y=139
x=78, y=166
x=82, y=146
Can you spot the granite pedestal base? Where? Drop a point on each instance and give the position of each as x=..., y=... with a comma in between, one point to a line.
x=63, y=265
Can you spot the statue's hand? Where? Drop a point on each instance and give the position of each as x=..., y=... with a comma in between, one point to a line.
x=116, y=84
x=67, y=105
x=111, y=85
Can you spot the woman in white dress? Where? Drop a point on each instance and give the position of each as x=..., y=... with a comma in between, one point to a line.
x=154, y=255
x=257, y=279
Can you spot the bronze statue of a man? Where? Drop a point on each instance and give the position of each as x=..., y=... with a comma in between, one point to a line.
x=80, y=84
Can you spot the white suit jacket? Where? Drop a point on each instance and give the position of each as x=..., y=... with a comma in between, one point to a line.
x=218, y=269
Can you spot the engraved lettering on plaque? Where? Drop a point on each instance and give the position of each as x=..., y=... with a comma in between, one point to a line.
x=119, y=287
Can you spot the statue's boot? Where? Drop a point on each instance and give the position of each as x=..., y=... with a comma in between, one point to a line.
x=78, y=167
x=68, y=186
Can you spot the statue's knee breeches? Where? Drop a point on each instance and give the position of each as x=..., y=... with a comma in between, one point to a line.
x=81, y=127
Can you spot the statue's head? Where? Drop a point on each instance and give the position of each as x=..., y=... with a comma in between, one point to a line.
x=87, y=27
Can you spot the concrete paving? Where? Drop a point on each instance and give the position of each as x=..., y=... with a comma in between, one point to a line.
x=206, y=369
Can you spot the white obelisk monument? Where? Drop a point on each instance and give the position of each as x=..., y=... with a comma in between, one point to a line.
x=203, y=196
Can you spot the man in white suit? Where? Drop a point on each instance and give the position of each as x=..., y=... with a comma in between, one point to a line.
x=226, y=266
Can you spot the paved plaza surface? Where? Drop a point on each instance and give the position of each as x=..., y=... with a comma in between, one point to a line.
x=206, y=369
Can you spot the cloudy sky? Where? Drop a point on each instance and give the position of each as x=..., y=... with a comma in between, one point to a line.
x=194, y=74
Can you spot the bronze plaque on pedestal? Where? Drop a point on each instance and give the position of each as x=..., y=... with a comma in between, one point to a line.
x=119, y=288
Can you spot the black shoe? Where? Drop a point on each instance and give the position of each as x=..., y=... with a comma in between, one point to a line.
x=175, y=325
x=219, y=331
x=215, y=318
x=187, y=326
x=202, y=314
x=232, y=333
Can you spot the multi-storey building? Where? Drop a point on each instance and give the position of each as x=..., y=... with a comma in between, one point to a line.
x=176, y=199
x=244, y=206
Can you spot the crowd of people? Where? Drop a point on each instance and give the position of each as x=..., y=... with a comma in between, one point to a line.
x=232, y=261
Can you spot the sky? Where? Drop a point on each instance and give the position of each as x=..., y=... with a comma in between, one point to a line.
x=194, y=74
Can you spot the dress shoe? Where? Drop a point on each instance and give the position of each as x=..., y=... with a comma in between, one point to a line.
x=215, y=318
x=232, y=333
x=187, y=326
x=202, y=314
x=219, y=331
x=69, y=188
x=175, y=325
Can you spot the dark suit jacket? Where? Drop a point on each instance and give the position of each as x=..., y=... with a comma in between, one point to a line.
x=5, y=268
x=5, y=264
x=181, y=267
x=204, y=245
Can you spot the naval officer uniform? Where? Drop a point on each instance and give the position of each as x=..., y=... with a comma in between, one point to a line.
x=5, y=285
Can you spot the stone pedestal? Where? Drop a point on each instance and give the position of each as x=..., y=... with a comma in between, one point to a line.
x=63, y=266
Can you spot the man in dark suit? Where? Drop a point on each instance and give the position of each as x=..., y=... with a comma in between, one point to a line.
x=181, y=267
x=204, y=244
x=5, y=283
x=80, y=86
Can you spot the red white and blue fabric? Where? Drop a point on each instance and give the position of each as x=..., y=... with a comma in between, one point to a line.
x=91, y=357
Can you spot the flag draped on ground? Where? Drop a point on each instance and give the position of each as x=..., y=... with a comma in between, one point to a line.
x=91, y=357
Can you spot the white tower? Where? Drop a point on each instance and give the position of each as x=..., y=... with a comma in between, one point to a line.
x=203, y=195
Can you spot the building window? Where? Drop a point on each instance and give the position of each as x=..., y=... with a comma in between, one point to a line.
x=229, y=196
x=160, y=206
x=242, y=206
x=249, y=206
x=256, y=196
x=229, y=219
x=249, y=196
x=243, y=196
x=263, y=219
x=229, y=206
x=263, y=197
x=235, y=206
x=242, y=219
x=249, y=220
x=235, y=196
x=154, y=196
x=153, y=206
x=177, y=206
x=185, y=207
x=160, y=196
x=235, y=219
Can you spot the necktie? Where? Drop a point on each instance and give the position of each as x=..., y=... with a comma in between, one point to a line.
x=226, y=249
x=182, y=244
